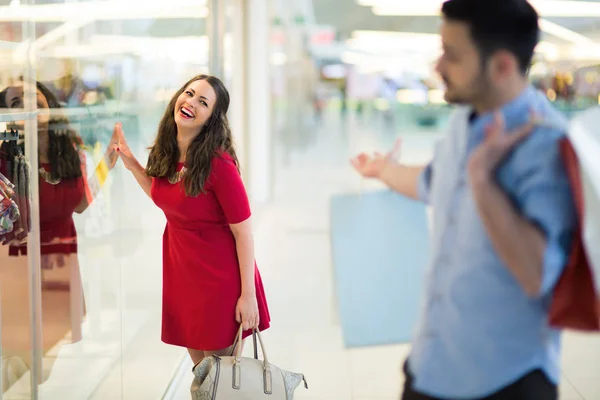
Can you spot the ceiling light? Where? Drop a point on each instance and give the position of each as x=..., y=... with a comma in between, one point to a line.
x=104, y=11
x=546, y=9
x=563, y=33
x=551, y=28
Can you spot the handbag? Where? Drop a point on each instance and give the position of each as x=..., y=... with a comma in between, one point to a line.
x=241, y=378
x=575, y=304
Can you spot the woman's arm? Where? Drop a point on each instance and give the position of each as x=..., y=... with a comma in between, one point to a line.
x=231, y=194
x=244, y=243
x=247, y=306
x=130, y=162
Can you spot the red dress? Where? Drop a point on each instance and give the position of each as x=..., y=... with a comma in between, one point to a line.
x=201, y=273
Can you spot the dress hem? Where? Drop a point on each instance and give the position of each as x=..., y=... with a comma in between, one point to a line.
x=245, y=334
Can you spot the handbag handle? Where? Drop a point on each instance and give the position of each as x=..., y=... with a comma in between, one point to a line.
x=237, y=361
x=236, y=341
x=237, y=345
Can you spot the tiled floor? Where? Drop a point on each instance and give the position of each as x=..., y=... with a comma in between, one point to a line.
x=293, y=252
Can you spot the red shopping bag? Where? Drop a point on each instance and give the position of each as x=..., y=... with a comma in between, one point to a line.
x=575, y=304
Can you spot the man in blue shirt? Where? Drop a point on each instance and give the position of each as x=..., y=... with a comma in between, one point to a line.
x=504, y=216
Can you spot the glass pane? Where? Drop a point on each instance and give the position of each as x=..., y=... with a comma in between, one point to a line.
x=118, y=62
x=19, y=228
x=96, y=64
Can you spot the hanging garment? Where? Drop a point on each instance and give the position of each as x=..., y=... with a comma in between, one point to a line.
x=9, y=211
x=11, y=160
x=15, y=167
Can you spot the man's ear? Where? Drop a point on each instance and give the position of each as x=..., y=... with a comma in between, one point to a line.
x=502, y=65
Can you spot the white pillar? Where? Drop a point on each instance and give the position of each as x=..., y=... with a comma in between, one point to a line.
x=258, y=100
x=215, y=24
x=249, y=86
x=33, y=238
x=236, y=82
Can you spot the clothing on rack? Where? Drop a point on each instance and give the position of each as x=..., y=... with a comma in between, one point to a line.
x=9, y=211
x=15, y=167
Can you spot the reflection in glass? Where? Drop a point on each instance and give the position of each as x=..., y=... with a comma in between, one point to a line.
x=64, y=189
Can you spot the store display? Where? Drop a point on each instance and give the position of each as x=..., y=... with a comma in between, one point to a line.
x=15, y=168
x=9, y=211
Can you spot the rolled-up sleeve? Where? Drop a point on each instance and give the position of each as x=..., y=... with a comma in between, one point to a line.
x=546, y=199
x=424, y=183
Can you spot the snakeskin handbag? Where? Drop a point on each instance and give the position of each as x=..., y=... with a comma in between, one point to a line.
x=241, y=378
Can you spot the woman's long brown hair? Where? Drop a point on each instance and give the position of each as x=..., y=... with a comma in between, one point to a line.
x=63, y=143
x=214, y=138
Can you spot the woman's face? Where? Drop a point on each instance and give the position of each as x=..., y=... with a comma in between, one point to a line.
x=195, y=106
x=14, y=99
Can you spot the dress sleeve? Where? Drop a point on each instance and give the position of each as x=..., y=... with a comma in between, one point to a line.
x=229, y=189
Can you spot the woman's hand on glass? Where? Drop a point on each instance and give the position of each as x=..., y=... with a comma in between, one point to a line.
x=122, y=148
x=111, y=155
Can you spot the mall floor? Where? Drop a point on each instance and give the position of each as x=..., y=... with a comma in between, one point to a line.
x=293, y=252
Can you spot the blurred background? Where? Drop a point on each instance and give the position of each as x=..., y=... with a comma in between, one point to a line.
x=312, y=83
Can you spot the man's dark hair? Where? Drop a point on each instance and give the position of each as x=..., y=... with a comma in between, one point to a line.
x=510, y=25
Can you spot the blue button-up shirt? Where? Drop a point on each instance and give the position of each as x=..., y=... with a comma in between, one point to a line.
x=478, y=330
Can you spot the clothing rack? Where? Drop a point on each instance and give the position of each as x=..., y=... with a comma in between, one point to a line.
x=12, y=134
x=8, y=116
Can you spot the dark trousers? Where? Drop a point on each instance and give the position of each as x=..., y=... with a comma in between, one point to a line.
x=533, y=386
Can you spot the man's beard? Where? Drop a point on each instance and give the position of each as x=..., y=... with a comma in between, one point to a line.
x=469, y=96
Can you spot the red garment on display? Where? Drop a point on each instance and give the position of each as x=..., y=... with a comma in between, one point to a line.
x=57, y=205
x=201, y=274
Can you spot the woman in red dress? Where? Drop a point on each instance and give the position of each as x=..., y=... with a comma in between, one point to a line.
x=210, y=280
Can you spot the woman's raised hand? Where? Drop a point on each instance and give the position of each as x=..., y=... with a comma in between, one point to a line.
x=122, y=148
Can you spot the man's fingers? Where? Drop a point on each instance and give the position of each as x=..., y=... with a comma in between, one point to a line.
x=499, y=121
x=496, y=127
x=356, y=163
x=521, y=133
x=535, y=117
x=359, y=161
x=396, y=149
x=395, y=152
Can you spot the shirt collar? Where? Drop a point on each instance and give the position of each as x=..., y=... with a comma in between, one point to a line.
x=515, y=112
